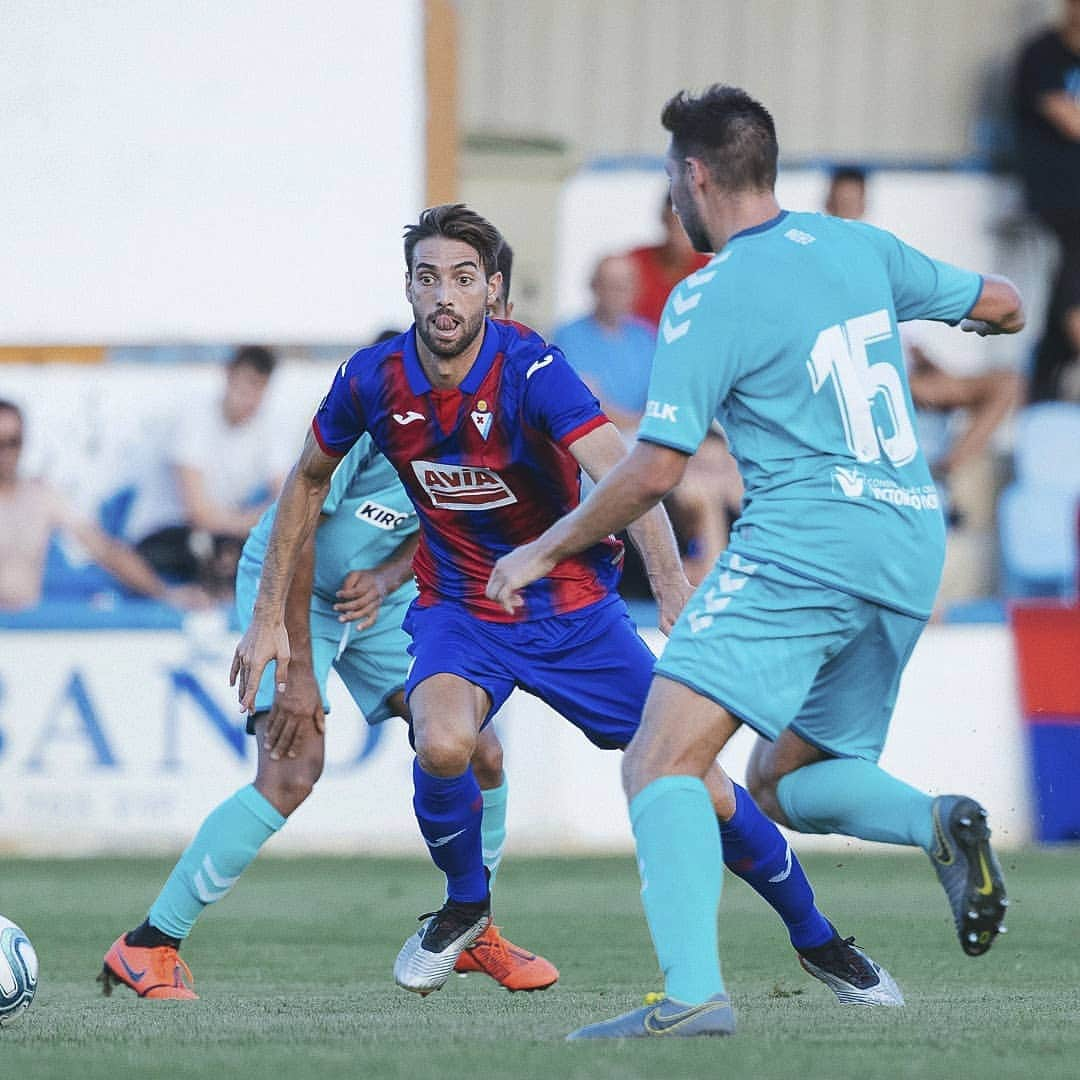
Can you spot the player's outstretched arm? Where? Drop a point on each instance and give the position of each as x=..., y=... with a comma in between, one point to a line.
x=298, y=707
x=999, y=309
x=635, y=485
x=298, y=509
x=598, y=453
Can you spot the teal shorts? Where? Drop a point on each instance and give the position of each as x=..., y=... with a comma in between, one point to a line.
x=372, y=663
x=778, y=650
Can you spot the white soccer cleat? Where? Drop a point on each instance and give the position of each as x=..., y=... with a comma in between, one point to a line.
x=427, y=959
x=851, y=974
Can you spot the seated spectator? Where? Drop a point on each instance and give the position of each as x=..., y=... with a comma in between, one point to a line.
x=612, y=351
x=31, y=511
x=225, y=466
x=986, y=399
x=660, y=267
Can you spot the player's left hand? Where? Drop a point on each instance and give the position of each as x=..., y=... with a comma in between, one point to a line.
x=261, y=643
x=513, y=572
x=671, y=597
x=295, y=710
x=360, y=597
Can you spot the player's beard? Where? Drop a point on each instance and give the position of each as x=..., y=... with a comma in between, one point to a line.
x=695, y=229
x=470, y=327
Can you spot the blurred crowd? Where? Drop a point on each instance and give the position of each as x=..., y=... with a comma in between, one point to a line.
x=1003, y=443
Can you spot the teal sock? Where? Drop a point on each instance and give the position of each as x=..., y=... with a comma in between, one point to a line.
x=223, y=847
x=679, y=856
x=856, y=798
x=493, y=828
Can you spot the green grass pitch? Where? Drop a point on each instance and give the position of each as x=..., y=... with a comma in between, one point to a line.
x=294, y=973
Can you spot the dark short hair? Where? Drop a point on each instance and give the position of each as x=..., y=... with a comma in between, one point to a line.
x=258, y=357
x=10, y=406
x=731, y=132
x=455, y=221
x=504, y=263
x=842, y=173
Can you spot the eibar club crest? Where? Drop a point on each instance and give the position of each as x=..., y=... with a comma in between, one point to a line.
x=481, y=417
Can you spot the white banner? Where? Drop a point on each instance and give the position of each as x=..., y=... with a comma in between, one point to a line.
x=119, y=741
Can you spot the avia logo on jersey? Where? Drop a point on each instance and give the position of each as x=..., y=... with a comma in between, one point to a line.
x=459, y=487
x=382, y=517
x=661, y=410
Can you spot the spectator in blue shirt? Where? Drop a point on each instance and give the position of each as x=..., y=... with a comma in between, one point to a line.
x=612, y=351
x=610, y=348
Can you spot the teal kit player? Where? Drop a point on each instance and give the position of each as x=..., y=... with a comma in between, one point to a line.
x=345, y=608
x=789, y=338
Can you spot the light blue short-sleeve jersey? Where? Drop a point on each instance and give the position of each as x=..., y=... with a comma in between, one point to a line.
x=789, y=338
x=366, y=516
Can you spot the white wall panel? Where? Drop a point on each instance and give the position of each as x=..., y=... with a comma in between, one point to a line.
x=186, y=170
x=860, y=78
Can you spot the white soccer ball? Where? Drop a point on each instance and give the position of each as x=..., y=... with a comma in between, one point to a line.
x=18, y=971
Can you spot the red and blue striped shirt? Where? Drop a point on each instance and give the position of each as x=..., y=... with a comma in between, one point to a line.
x=487, y=464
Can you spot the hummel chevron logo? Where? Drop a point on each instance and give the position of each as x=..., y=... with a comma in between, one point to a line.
x=682, y=306
x=741, y=567
x=210, y=884
x=715, y=604
x=730, y=583
x=445, y=839
x=537, y=365
x=674, y=331
x=699, y=278
x=344, y=365
x=408, y=418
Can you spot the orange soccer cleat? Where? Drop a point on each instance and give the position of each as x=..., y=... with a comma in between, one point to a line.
x=151, y=973
x=508, y=964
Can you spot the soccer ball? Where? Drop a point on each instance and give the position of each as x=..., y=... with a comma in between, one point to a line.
x=18, y=971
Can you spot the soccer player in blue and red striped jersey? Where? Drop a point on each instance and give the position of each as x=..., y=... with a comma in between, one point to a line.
x=489, y=427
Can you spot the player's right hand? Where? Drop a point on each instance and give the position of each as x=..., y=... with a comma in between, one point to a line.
x=262, y=643
x=360, y=597
x=295, y=708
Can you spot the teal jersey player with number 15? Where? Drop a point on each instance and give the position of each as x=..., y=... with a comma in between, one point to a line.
x=788, y=337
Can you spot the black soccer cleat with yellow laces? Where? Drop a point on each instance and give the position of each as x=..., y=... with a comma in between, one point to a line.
x=969, y=871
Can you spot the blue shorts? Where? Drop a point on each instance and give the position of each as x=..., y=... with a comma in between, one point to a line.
x=778, y=650
x=372, y=663
x=589, y=665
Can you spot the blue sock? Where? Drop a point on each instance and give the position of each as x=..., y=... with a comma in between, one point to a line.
x=679, y=856
x=756, y=852
x=856, y=798
x=448, y=810
x=493, y=828
x=223, y=847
